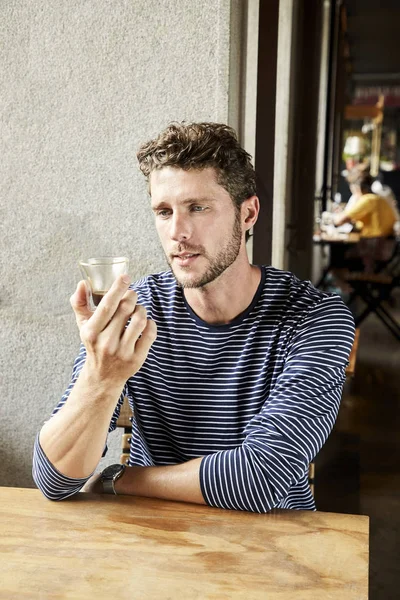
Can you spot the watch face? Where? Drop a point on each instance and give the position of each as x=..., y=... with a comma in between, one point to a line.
x=111, y=471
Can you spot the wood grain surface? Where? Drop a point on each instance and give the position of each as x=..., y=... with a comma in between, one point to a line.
x=125, y=547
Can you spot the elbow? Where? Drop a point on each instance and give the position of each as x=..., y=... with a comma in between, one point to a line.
x=241, y=483
x=48, y=494
x=50, y=489
x=53, y=485
x=43, y=487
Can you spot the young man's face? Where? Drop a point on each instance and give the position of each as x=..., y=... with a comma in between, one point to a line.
x=198, y=224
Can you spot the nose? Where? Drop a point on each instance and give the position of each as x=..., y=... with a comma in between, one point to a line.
x=180, y=227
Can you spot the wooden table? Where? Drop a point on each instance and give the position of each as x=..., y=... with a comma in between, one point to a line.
x=338, y=244
x=125, y=547
x=336, y=238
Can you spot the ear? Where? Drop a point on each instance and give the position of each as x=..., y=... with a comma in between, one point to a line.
x=249, y=211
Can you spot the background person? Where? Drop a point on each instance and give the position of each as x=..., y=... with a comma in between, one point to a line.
x=374, y=212
x=375, y=217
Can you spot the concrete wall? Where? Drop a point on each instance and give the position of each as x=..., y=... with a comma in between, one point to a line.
x=83, y=83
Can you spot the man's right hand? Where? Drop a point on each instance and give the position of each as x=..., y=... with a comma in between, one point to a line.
x=115, y=351
x=74, y=438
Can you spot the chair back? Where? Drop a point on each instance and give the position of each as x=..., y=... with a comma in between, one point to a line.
x=125, y=421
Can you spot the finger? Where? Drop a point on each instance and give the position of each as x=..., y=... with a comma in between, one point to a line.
x=134, y=329
x=80, y=303
x=127, y=307
x=109, y=304
x=146, y=340
x=130, y=340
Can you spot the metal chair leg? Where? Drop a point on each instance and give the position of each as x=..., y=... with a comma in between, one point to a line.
x=388, y=320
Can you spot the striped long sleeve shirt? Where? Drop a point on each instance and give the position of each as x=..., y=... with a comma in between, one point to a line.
x=257, y=398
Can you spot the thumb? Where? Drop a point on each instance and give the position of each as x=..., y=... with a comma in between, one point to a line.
x=80, y=303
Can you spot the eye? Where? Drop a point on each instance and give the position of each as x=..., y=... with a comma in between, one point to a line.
x=198, y=208
x=163, y=213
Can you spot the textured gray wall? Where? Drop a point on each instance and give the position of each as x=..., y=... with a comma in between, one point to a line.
x=83, y=83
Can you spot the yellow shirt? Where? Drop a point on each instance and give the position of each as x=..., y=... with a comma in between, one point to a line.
x=375, y=213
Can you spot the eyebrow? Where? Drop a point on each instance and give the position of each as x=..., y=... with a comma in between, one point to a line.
x=164, y=203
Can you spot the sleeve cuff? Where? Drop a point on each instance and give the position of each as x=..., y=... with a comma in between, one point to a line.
x=53, y=484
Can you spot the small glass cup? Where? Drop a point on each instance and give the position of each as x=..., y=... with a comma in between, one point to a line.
x=100, y=273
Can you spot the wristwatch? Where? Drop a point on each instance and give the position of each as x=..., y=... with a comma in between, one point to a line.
x=109, y=476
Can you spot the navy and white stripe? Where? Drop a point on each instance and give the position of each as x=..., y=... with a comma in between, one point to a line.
x=53, y=484
x=256, y=397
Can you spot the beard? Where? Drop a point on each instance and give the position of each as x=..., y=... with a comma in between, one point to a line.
x=225, y=257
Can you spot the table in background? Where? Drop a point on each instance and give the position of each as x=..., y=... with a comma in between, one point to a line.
x=125, y=547
x=337, y=238
x=338, y=245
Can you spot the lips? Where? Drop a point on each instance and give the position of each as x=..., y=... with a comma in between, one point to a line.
x=186, y=255
x=185, y=259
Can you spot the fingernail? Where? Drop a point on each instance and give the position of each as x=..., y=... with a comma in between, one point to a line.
x=126, y=279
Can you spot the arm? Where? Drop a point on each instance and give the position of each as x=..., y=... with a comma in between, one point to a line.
x=340, y=219
x=281, y=440
x=173, y=482
x=295, y=421
x=71, y=443
x=358, y=210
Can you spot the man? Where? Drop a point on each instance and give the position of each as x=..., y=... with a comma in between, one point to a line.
x=239, y=388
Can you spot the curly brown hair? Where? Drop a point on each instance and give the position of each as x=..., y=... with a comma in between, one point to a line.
x=198, y=146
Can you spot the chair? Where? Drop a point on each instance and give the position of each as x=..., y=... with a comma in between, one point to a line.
x=351, y=367
x=311, y=476
x=375, y=288
x=125, y=421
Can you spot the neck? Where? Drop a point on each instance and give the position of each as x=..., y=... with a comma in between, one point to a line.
x=222, y=300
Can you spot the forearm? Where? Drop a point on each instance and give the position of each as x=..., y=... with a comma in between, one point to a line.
x=234, y=479
x=116, y=339
x=74, y=438
x=340, y=219
x=173, y=482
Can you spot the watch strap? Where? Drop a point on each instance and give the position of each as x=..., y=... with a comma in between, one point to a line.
x=109, y=476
